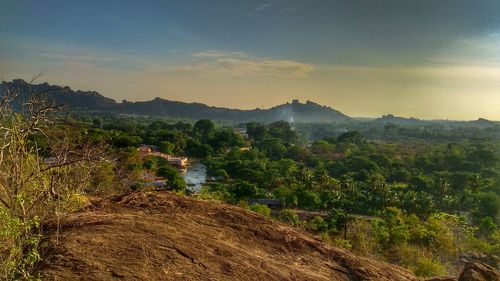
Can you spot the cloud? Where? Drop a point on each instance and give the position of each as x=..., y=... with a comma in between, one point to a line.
x=237, y=64
x=218, y=54
x=263, y=6
x=81, y=58
x=482, y=50
x=460, y=72
x=287, y=10
x=437, y=72
x=264, y=67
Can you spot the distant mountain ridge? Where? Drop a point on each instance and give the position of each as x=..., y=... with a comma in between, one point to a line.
x=308, y=112
x=390, y=118
x=91, y=101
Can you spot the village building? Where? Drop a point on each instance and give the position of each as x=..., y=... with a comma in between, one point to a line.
x=146, y=150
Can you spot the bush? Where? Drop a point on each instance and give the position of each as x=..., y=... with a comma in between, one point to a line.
x=419, y=260
x=261, y=209
x=343, y=243
x=19, y=247
x=317, y=224
x=363, y=239
x=173, y=177
x=475, y=244
x=325, y=236
x=445, y=242
x=426, y=267
x=289, y=216
x=217, y=192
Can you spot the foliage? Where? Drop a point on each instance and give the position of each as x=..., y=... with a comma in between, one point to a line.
x=19, y=248
x=173, y=177
x=419, y=261
x=261, y=209
x=289, y=216
x=34, y=189
x=343, y=243
x=317, y=224
x=387, y=188
x=216, y=192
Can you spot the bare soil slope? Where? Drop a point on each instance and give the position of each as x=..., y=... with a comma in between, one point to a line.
x=161, y=236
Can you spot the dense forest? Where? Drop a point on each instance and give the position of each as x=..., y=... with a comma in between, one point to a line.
x=422, y=197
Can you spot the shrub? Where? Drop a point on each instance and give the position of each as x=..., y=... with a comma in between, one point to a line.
x=75, y=202
x=418, y=259
x=289, y=216
x=325, y=236
x=317, y=224
x=261, y=209
x=222, y=174
x=475, y=244
x=445, y=242
x=217, y=192
x=487, y=227
x=426, y=267
x=173, y=177
x=363, y=239
x=19, y=248
x=343, y=243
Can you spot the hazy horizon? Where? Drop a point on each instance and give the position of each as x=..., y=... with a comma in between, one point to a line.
x=422, y=59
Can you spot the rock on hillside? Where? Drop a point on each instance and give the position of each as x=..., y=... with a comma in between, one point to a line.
x=475, y=271
x=161, y=236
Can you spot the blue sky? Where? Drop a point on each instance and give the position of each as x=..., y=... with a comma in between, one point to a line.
x=428, y=59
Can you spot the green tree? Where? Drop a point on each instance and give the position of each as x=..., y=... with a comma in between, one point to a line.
x=244, y=189
x=256, y=131
x=167, y=147
x=488, y=205
x=173, y=177
x=283, y=131
x=204, y=126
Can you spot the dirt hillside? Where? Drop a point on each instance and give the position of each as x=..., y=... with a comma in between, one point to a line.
x=161, y=236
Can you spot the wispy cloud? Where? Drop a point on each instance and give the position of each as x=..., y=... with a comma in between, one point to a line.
x=287, y=10
x=238, y=64
x=443, y=72
x=263, y=6
x=265, y=67
x=484, y=51
x=218, y=54
x=81, y=58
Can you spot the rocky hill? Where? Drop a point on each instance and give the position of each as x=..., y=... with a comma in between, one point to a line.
x=80, y=101
x=161, y=236
x=390, y=118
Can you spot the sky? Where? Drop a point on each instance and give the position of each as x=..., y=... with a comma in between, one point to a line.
x=429, y=59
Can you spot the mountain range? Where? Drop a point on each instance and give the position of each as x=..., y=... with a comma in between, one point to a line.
x=309, y=112
x=93, y=102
